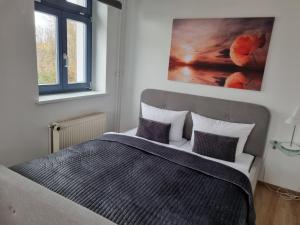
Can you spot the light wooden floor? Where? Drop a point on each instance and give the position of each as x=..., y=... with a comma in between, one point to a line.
x=272, y=210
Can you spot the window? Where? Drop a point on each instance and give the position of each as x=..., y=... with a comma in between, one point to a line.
x=78, y=2
x=63, y=44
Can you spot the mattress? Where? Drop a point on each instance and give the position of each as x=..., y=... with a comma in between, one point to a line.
x=245, y=163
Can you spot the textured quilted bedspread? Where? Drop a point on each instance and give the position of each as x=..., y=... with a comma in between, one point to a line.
x=136, y=182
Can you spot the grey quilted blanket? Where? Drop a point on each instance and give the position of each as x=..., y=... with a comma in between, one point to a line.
x=135, y=182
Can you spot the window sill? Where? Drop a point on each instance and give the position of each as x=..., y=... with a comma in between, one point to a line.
x=47, y=99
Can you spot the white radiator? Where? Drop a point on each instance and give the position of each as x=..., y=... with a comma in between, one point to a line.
x=63, y=134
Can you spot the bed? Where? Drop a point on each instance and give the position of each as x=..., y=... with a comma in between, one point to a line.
x=122, y=179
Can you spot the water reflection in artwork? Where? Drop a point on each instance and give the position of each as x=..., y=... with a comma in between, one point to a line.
x=230, y=53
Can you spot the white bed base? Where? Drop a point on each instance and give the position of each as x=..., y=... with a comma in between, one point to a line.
x=255, y=172
x=23, y=202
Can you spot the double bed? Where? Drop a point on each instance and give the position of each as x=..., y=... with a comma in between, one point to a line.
x=124, y=179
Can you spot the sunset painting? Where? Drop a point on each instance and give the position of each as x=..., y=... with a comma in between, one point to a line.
x=229, y=53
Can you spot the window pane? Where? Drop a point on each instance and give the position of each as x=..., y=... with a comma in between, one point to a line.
x=46, y=45
x=78, y=2
x=76, y=42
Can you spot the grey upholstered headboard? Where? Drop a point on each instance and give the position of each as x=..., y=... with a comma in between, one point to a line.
x=220, y=109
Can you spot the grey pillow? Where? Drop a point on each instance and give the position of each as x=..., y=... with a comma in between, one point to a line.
x=154, y=131
x=215, y=146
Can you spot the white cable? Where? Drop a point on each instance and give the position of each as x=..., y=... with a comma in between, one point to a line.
x=284, y=194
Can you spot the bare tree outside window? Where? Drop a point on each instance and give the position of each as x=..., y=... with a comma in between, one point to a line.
x=46, y=48
x=76, y=41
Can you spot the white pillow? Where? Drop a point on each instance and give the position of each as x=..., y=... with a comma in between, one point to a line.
x=218, y=127
x=175, y=118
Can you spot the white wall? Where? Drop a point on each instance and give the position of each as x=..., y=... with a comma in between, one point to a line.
x=148, y=40
x=23, y=123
